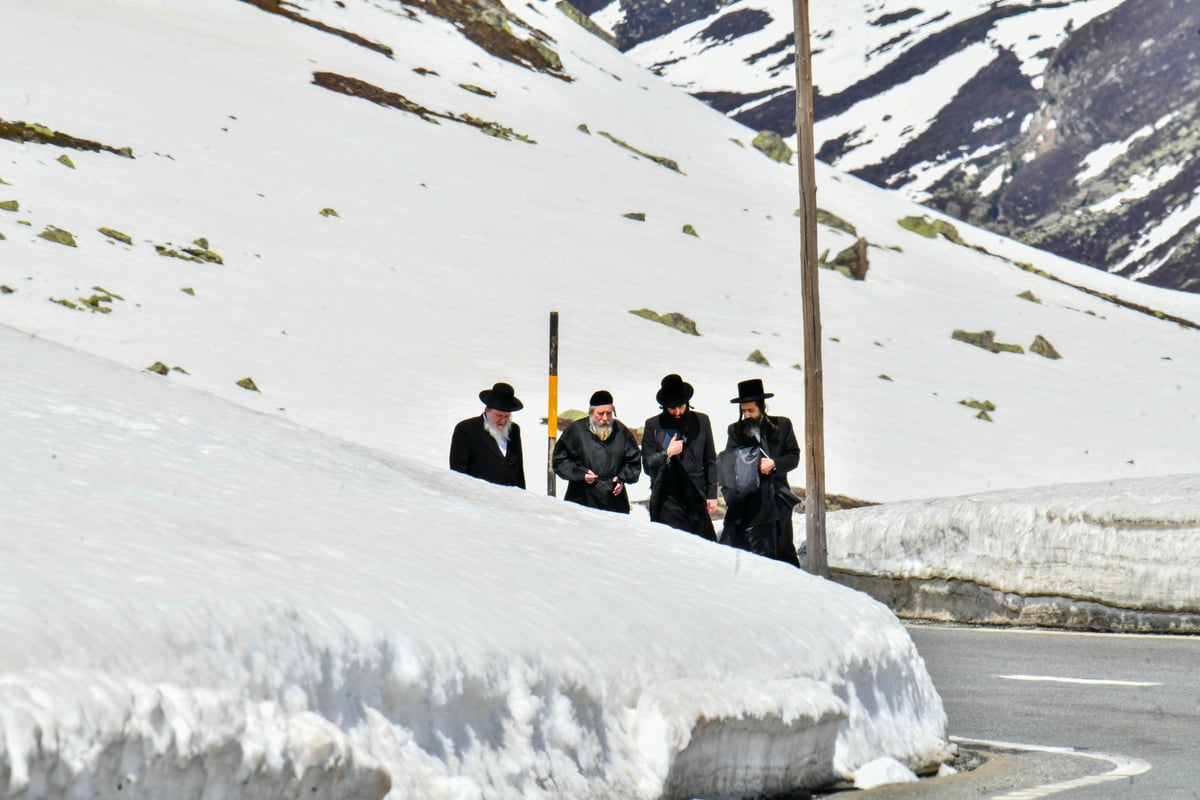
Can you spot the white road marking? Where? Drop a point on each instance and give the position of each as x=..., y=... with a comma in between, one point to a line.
x=1084, y=681
x=1123, y=767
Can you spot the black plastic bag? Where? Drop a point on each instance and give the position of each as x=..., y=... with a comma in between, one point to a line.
x=737, y=472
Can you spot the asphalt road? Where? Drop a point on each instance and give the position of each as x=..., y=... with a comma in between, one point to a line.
x=1065, y=715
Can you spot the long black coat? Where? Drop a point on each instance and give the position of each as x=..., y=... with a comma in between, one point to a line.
x=679, y=487
x=579, y=450
x=764, y=506
x=475, y=452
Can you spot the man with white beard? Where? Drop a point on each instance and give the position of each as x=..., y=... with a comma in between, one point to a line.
x=488, y=447
x=598, y=456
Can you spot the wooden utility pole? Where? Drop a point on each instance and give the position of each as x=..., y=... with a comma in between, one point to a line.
x=814, y=403
x=552, y=411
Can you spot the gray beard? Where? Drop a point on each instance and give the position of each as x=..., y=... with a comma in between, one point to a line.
x=602, y=432
x=752, y=429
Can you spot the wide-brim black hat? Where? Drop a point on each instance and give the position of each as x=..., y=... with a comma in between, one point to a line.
x=750, y=390
x=674, y=391
x=501, y=397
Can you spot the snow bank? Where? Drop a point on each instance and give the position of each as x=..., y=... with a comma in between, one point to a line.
x=197, y=600
x=1132, y=545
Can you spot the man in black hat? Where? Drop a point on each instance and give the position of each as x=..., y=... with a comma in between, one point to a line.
x=762, y=521
x=489, y=446
x=679, y=457
x=598, y=456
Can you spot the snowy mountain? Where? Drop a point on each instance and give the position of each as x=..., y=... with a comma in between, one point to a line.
x=1067, y=125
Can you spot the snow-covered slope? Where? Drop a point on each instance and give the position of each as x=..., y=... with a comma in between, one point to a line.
x=449, y=248
x=206, y=584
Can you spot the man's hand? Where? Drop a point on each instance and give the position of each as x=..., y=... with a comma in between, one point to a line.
x=617, y=487
x=675, y=447
x=766, y=466
x=590, y=477
x=712, y=505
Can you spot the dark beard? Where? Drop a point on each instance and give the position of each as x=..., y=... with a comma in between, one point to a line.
x=749, y=429
x=667, y=422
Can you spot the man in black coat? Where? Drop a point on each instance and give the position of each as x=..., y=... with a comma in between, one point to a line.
x=762, y=521
x=489, y=446
x=681, y=460
x=598, y=455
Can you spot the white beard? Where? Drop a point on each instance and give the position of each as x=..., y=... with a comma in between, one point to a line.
x=499, y=434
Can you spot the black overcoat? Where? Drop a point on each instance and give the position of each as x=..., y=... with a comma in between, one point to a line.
x=686, y=481
x=475, y=452
x=780, y=444
x=579, y=450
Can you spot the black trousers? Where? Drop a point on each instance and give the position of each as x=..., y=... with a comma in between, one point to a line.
x=768, y=539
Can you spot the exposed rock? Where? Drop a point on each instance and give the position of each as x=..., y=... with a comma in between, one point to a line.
x=198, y=252
x=328, y=212
x=158, y=368
x=567, y=418
x=978, y=405
x=672, y=319
x=248, y=384
x=986, y=340
x=5, y=289
x=851, y=262
x=66, y=161
x=831, y=220
x=58, y=236
x=931, y=228
x=10, y=205
x=660, y=160
x=1043, y=348
x=284, y=9
x=112, y=233
x=585, y=22
x=772, y=145
x=1030, y=296
x=96, y=302
x=354, y=87
x=690, y=231
x=491, y=26
x=32, y=132
x=758, y=358
x=479, y=90
x=635, y=215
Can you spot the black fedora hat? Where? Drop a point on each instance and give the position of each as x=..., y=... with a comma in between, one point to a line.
x=674, y=391
x=750, y=390
x=501, y=397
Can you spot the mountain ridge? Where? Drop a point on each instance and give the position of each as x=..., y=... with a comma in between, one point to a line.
x=1005, y=144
